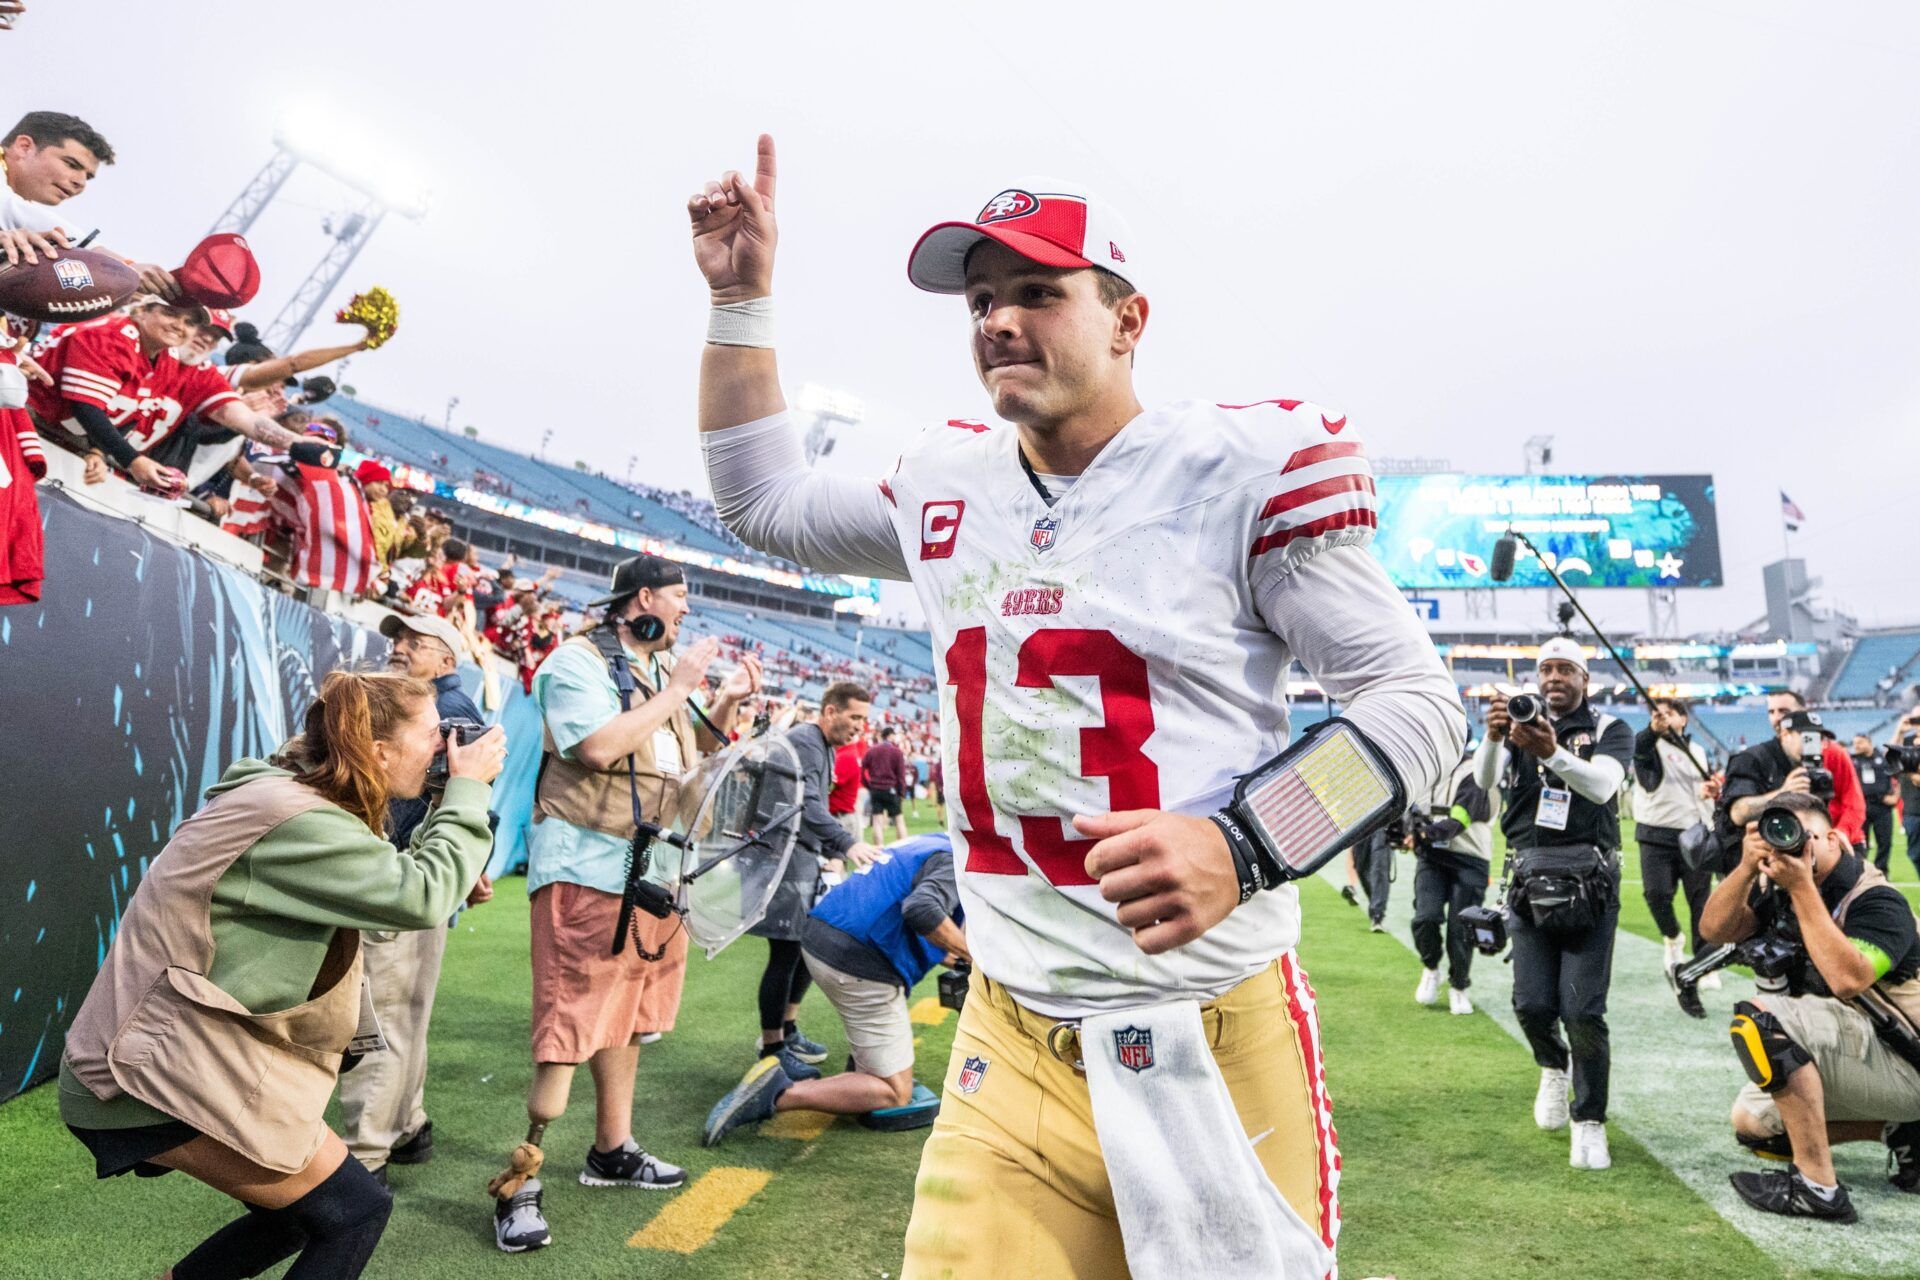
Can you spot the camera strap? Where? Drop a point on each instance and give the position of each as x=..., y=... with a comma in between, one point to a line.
x=620, y=667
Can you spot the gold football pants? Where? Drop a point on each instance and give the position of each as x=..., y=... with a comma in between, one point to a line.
x=1012, y=1184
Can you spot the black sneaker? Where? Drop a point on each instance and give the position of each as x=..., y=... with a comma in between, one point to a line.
x=1785, y=1192
x=811, y=1052
x=1903, y=1156
x=1687, y=993
x=417, y=1149
x=630, y=1167
x=518, y=1224
x=1777, y=1147
x=1346, y=891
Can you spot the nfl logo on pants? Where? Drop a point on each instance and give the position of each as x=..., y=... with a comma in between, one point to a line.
x=1134, y=1048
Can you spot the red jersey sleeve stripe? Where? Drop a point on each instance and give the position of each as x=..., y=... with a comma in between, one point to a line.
x=1357, y=518
x=1281, y=503
x=1323, y=453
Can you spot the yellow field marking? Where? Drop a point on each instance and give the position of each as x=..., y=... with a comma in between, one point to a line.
x=927, y=1012
x=692, y=1218
x=802, y=1126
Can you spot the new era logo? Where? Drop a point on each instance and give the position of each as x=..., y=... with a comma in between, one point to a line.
x=940, y=528
x=1114, y=251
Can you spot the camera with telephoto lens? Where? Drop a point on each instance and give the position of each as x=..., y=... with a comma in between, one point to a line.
x=1525, y=708
x=1487, y=927
x=1902, y=757
x=953, y=985
x=459, y=729
x=1819, y=779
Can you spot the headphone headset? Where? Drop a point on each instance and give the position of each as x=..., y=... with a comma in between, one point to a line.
x=646, y=628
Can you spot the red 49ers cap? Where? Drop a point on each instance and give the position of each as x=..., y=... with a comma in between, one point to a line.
x=1056, y=224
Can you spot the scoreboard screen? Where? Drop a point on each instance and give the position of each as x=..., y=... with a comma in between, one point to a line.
x=1438, y=531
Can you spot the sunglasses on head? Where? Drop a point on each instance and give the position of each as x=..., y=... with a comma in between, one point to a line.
x=324, y=432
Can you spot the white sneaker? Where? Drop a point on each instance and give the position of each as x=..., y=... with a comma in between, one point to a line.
x=1457, y=1001
x=1676, y=951
x=1589, y=1147
x=1710, y=983
x=1429, y=989
x=1550, y=1104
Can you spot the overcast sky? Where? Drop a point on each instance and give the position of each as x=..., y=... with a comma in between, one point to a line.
x=1677, y=236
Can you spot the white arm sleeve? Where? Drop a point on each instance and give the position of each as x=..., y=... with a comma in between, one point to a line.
x=1488, y=758
x=1355, y=634
x=1597, y=779
x=767, y=494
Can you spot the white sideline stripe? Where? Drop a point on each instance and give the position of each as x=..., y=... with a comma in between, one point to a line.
x=1673, y=1083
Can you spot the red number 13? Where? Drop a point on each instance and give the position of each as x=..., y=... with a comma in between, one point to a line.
x=1110, y=750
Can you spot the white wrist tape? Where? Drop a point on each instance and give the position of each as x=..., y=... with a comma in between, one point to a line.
x=741, y=324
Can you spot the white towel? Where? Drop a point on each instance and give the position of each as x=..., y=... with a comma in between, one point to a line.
x=1190, y=1193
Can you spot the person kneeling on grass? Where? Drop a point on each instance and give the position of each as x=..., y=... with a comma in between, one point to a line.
x=214, y=1032
x=867, y=944
x=1819, y=1071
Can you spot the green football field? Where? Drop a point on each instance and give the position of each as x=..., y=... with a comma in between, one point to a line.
x=1445, y=1175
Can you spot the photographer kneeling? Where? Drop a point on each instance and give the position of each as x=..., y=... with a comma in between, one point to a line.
x=1820, y=1071
x=215, y=1029
x=1565, y=763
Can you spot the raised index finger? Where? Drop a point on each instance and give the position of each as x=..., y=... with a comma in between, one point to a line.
x=764, y=169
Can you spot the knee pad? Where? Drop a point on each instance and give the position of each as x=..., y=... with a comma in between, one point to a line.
x=1767, y=1053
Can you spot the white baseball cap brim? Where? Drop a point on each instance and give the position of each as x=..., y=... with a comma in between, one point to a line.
x=1055, y=224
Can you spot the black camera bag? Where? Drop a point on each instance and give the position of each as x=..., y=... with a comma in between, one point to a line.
x=1563, y=889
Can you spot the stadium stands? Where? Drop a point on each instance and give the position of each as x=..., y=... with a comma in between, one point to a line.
x=1873, y=659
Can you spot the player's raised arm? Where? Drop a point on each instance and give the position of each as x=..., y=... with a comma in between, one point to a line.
x=762, y=486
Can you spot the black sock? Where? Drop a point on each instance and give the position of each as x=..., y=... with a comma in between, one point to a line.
x=790, y=1027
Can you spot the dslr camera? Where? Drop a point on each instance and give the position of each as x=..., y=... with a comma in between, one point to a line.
x=1525, y=708
x=458, y=729
x=1902, y=757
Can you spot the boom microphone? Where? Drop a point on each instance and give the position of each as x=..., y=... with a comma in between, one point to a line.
x=1503, y=552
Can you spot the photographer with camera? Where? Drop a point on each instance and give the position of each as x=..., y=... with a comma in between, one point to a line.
x=867, y=943
x=383, y=1117
x=1451, y=835
x=1668, y=769
x=1906, y=735
x=1802, y=757
x=1822, y=1067
x=1565, y=764
x=618, y=715
x=1879, y=791
x=231, y=995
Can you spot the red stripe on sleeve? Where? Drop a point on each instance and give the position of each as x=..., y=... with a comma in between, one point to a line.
x=1324, y=453
x=1357, y=518
x=1296, y=498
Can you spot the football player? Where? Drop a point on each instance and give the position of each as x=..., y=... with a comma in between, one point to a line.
x=1115, y=594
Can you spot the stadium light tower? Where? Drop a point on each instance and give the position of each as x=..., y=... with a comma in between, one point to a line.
x=1539, y=454
x=828, y=409
x=383, y=188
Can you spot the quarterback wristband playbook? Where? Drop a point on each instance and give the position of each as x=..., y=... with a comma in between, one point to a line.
x=1324, y=793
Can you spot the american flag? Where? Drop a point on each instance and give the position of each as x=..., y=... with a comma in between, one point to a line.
x=335, y=547
x=1324, y=488
x=1790, y=512
x=255, y=513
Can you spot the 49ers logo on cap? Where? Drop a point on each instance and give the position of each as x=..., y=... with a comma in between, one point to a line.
x=1012, y=203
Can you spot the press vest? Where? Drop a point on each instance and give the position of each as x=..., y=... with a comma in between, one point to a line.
x=866, y=908
x=1676, y=802
x=599, y=799
x=156, y=1028
x=1476, y=839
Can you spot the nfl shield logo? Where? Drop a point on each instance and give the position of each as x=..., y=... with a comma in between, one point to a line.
x=72, y=274
x=972, y=1071
x=1043, y=532
x=1134, y=1048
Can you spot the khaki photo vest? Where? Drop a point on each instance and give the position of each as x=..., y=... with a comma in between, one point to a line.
x=599, y=799
x=154, y=1027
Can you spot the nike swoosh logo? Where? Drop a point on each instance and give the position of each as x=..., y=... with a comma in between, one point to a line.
x=1333, y=428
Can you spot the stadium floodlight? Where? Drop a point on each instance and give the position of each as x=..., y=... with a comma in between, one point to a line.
x=365, y=163
x=1539, y=453
x=823, y=402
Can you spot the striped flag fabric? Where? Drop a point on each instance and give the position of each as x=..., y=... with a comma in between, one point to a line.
x=1323, y=488
x=1791, y=512
x=255, y=513
x=335, y=546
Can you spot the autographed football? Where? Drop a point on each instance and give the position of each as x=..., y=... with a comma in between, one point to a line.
x=77, y=285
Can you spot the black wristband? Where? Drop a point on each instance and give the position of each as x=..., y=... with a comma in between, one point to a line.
x=1246, y=859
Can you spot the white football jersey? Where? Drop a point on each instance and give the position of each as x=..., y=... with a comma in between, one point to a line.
x=1127, y=648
